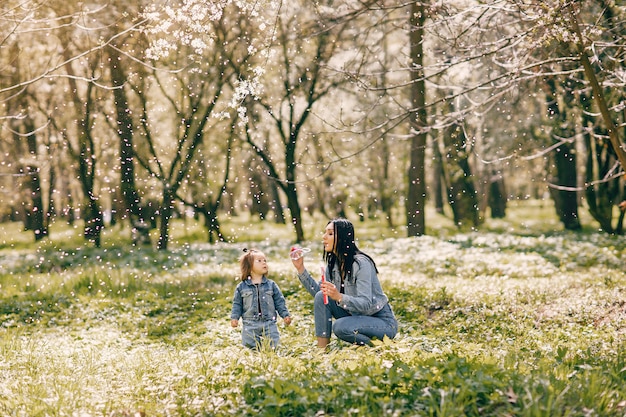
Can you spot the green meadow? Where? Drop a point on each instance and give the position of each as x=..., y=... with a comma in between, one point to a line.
x=519, y=318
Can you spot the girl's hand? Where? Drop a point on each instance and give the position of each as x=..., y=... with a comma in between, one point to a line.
x=234, y=323
x=287, y=320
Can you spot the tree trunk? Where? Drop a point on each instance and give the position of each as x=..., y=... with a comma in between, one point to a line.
x=51, y=212
x=567, y=200
x=598, y=93
x=86, y=152
x=34, y=214
x=124, y=124
x=36, y=218
x=600, y=195
x=385, y=191
x=277, y=207
x=289, y=187
x=565, y=197
x=212, y=224
x=294, y=207
x=165, y=216
x=497, y=196
x=461, y=191
x=86, y=167
x=416, y=191
x=93, y=222
x=439, y=183
x=260, y=204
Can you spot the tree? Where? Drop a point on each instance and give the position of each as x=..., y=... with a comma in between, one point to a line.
x=84, y=150
x=325, y=109
x=461, y=191
x=603, y=186
x=23, y=128
x=416, y=192
x=562, y=132
x=75, y=117
x=207, y=203
x=559, y=25
x=306, y=43
x=35, y=213
x=124, y=126
x=194, y=96
x=512, y=46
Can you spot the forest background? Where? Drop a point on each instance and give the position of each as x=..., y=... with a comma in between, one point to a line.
x=137, y=114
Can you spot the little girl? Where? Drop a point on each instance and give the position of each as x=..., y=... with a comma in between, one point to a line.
x=257, y=300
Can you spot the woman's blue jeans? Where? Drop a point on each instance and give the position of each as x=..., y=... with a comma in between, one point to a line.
x=352, y=329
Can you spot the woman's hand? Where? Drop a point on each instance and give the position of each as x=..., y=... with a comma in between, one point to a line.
x=299, y=264
x=329, y=289
x=234, y=323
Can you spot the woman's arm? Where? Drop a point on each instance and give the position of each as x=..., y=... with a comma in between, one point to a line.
x=309, y=283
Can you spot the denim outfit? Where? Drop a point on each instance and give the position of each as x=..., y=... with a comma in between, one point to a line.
x=364, y=312
x=257, y=305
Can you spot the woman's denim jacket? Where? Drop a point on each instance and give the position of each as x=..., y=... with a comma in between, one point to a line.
x=362, y=295
x=246, y=301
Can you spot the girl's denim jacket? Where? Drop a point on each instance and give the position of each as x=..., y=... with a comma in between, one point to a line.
x=248, y=297
x=362, y=295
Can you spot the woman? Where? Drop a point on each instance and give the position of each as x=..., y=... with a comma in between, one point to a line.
x=352, y=289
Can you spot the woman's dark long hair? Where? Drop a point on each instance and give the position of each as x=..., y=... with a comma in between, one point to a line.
x=345, y=248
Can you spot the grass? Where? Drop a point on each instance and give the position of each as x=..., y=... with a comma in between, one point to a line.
x=520, y=318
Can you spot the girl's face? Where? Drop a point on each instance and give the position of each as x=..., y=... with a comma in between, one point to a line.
x=259, y=266
x=328, y=239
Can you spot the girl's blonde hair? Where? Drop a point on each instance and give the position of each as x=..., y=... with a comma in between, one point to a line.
x=246, y=261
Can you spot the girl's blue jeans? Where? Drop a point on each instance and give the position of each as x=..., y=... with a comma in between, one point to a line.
x=255, y=331
x=352, y=329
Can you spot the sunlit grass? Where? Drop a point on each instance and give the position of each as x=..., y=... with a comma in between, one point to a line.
x=534, y=217
x=13, y=236
x=520, y=318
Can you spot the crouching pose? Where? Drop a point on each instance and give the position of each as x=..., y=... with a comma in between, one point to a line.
x=351, y=293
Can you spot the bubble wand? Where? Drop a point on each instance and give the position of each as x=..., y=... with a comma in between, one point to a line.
x=298, y=252
x=324, y=280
